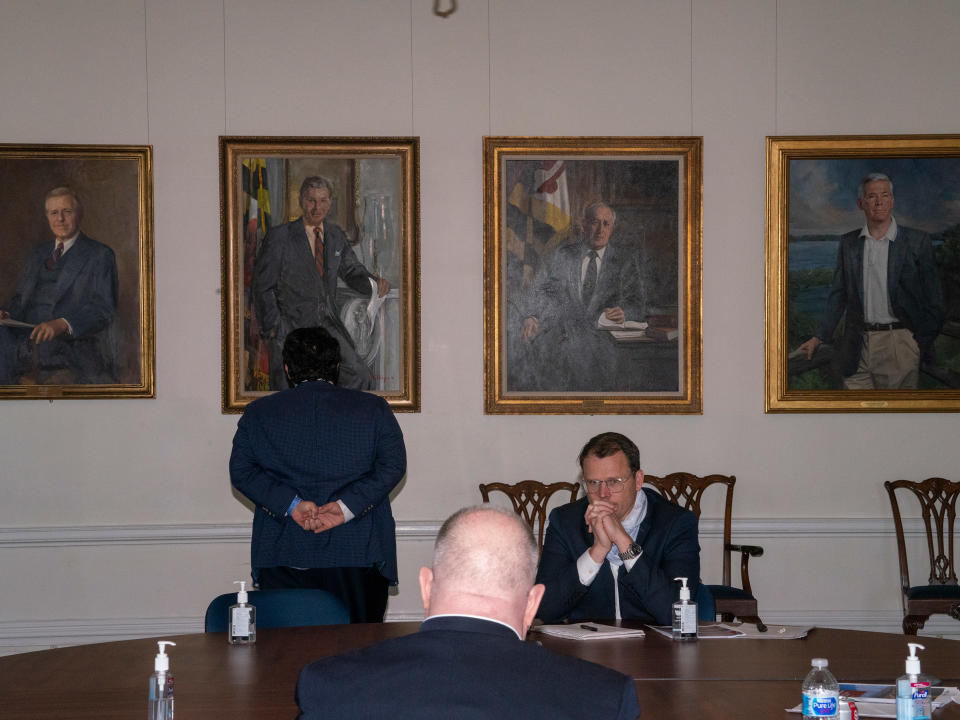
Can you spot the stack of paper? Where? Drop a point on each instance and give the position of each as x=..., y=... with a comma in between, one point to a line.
x=588, y=631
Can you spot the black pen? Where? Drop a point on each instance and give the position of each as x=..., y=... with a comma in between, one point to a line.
x=590, y=628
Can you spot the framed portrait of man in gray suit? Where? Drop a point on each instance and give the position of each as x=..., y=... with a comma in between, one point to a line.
x=76, y=272
x=592, y=251
x=863, y=273
x=321, y=232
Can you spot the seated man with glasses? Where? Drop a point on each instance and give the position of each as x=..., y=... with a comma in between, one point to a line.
x=615, y=553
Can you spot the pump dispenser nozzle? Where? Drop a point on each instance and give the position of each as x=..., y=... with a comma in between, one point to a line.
x=242, y=595
x=913, y=662
x=161, y=663
x=684, y=590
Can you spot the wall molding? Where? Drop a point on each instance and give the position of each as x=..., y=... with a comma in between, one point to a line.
x=422, y=530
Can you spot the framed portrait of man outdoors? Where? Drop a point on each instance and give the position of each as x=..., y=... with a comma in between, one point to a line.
x=863, y=274
x=592, y=251
x=321, y=232
x=76, y=272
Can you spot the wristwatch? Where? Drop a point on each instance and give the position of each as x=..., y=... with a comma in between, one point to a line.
x=634, y=551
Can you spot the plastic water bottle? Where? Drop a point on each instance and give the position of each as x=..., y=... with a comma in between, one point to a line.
x=821, y=691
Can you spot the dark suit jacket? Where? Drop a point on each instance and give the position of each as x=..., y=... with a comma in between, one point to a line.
x=569, y=353
x=913, y=283
x=668, y=536
x=463, y=668
x=289, y=292
x=322, y=443
x=555, y=294
x=86, y=296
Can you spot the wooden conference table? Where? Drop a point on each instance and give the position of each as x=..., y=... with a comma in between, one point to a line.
x=705, y=680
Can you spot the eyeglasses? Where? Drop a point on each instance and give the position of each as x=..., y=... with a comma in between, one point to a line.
x=614, y=485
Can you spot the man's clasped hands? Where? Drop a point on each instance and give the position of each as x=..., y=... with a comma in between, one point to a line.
x=318, y=518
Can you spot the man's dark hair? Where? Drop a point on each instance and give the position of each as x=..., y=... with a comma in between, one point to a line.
x=610, y=443
x=311, y=354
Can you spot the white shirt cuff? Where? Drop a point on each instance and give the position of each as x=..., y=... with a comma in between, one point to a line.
x=347, y=515
x=628, y=564
x=587, y=568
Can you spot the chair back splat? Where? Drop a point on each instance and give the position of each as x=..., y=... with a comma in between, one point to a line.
x=937, y=499
x=530, y=499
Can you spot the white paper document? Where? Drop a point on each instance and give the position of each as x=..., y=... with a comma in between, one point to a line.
x=880, y=701
x=375, y=300
x=588, y=631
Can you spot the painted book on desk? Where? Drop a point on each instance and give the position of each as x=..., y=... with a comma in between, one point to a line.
x=662, y=333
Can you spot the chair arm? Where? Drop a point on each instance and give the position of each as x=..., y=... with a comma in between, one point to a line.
x=752, y=550
x=746, y=552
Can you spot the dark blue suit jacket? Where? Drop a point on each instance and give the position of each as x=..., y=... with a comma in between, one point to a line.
x=463, y=668
x=913, y=283
x=323, y=443
x=86, y=296
x=668, y=536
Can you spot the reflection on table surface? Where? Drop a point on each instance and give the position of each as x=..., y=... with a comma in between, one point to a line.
x=706, y=679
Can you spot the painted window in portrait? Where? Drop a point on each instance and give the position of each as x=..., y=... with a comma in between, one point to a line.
x=592, y=275
x=76, y=272
x=321, y=232
x=863, y=273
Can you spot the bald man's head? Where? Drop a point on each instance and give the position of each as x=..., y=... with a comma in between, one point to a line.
x=484, y=550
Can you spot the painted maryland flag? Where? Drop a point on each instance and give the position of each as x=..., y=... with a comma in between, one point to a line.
x=538, y=213
x=256, y=223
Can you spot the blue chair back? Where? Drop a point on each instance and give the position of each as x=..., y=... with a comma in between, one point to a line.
x=297, y=607
x=706, y=610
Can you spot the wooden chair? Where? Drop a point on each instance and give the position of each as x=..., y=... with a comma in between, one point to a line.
x=530, y=499
x=687, y=490
x=941, y=594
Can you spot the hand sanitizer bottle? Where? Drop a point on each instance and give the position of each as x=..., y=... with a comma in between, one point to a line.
x=160, y=698
x=242, y=619
x=684, y=614
x=913, y=692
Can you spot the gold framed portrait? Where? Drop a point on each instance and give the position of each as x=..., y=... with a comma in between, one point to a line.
x=863, y=274
x=360, y=278
x=592, y=275
x=76, y=272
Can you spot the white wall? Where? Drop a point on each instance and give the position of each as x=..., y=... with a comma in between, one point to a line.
x=116, y=517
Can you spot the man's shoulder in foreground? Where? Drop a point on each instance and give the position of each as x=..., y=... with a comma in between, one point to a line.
x=465, y=668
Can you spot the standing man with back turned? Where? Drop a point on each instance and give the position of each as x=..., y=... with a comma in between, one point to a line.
x=319, y=462
x=469, y=661
x=887, y=286
x=295, y=282
x=616, y=552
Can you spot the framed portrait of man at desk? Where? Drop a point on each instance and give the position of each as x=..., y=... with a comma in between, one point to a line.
x=592, y=252
x=76, y=272
x=863, y=274
x=321, y=232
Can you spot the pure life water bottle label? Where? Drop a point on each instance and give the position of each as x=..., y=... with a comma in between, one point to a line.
x=817, y=706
